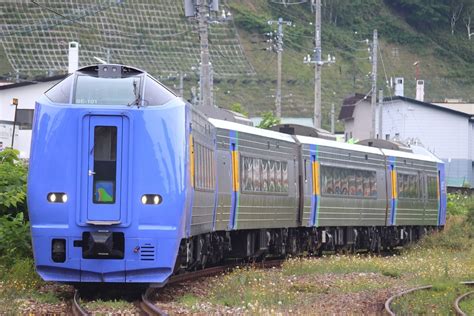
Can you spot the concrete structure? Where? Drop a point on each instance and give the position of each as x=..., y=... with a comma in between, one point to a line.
x=27, y=93
x=446, y=132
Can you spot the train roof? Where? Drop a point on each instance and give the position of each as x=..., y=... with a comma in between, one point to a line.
x=426, y=156
x=251, y=130
x=420, y=154
x=334, y=144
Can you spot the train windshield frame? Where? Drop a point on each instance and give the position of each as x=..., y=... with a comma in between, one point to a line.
x=91, y=90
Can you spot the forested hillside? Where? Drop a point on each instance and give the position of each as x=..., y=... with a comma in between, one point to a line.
x=434, y=33
x=158, y=38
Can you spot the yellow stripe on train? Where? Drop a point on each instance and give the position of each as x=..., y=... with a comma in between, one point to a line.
x=191, y=159
x=316, y=186
x=235, y=171
x=394, y=185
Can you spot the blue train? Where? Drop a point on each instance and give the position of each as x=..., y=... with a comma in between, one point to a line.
x=128, y=183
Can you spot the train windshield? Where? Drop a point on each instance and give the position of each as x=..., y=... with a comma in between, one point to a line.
x=107, y=91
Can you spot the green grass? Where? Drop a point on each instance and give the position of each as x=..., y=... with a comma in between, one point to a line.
x=442, y=259
x=108, y=304
x=189, y=300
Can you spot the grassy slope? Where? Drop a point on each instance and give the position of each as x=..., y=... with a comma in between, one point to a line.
x=445, y=69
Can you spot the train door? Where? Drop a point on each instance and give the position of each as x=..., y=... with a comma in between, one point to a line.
x=104, y=170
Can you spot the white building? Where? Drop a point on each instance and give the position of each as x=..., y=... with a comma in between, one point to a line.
x=27, y=94
x=445, y=131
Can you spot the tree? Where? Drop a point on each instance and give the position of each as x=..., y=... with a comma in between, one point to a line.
x=455, y=13
x=467, y=17
x=421, y=13
x=237, y=107
x=268, y=120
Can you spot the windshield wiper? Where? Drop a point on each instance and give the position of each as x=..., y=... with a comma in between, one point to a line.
x=137, y=95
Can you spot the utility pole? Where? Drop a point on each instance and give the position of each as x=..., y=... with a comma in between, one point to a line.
x=380, y=113
x=333, y=112
x=201, y=10
x=204, y=76
x=14, y=103
x=278, y=47
x=181, y=84
x=318, y=63
x=374, y=83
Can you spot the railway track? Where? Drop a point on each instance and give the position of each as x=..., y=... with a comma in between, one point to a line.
x=146, y=304
x=427, y=287
x=77, y=309
x=189, y=276
x=458, y=310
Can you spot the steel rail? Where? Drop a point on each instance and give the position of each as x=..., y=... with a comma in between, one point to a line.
x=390, y=300
x=459, y=299
x=426, y=287
x=148, y=307
x=77, y=309
x=189, y=276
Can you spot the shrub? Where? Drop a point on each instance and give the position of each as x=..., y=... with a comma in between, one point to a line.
x=15, y=239
x=458, y=203
x=268, y=120
x=13, y=175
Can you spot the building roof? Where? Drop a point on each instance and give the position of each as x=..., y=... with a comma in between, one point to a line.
x=31, y=82
x=349, y=103
x=430, y=105
x=467, y=108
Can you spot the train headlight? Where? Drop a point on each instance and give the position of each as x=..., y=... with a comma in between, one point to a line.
x=52, y=198
x=57, y=197
x=153, y=199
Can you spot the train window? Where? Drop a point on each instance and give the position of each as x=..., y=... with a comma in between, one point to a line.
x=256, y=175
x=359, y=189
x=264, y=175
x=107, y=91
x=432, y=187
x=352, y=183
x=271, y=177
x=105, y=164
x=373, y=184
x=155, y=93
x=337, y=180
x=327, y=182
x=344, y=181
x=278, y=177
x=246, y=173
x=366, y=183
x=204, y=173
x=265, y=171
x=284, y=170
x=407, y=186
x=61, y=92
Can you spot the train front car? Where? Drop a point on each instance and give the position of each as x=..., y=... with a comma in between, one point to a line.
x=107, y=180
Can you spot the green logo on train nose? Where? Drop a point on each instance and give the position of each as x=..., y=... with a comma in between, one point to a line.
x=104, y=191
